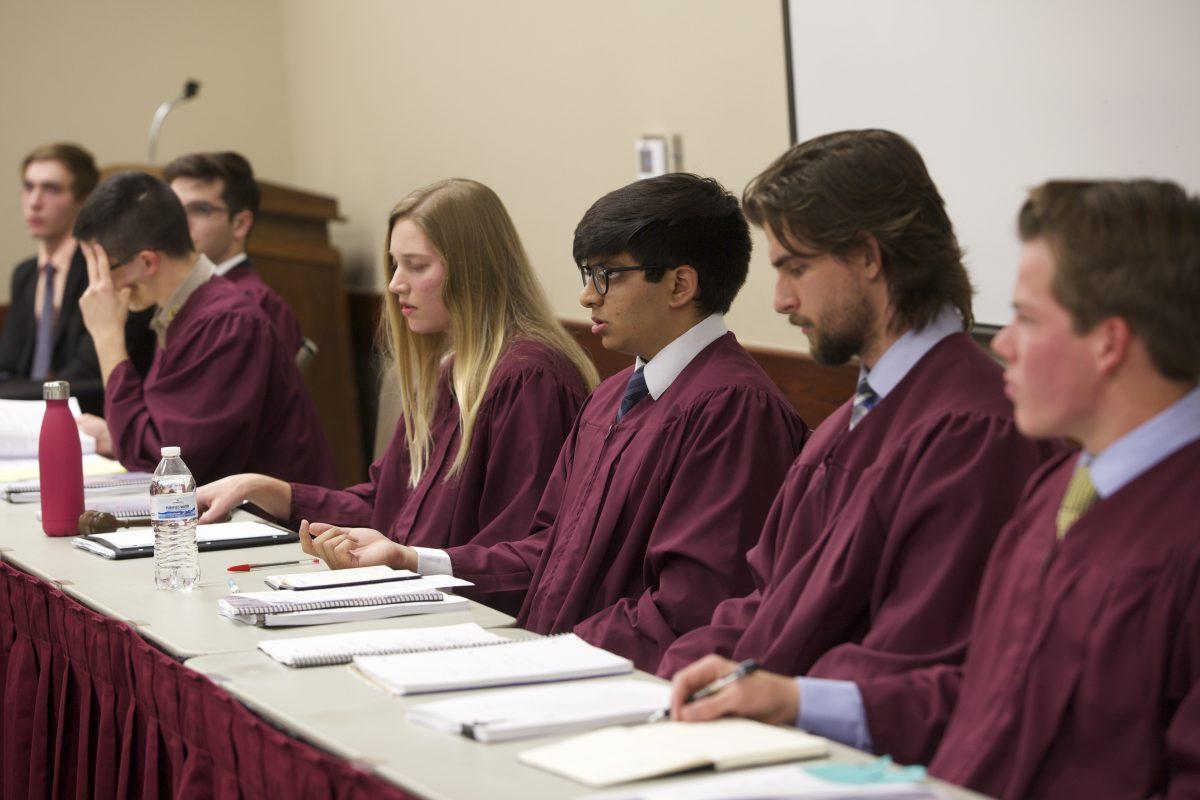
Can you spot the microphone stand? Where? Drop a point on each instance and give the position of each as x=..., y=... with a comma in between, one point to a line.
x=190, y=90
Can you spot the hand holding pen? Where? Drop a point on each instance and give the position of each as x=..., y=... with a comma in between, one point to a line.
x=717, y=687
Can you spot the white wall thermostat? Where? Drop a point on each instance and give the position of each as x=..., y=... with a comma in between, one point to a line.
x=653, y=156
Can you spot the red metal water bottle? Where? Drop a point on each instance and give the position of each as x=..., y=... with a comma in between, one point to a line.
x=60, y=463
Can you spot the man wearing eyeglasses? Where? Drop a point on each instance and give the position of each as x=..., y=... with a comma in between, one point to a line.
x=669, y=472
x=222, y=386
x=221, y=197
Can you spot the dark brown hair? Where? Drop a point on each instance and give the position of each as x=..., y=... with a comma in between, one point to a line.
x=133, y=211
x=1128, y=249
x=239, y=188
x=830, y=192
x=79, y=163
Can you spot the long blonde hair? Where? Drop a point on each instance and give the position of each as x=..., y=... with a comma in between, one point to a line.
x=492, y=297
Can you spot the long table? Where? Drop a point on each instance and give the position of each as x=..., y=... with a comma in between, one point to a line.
x=112, y=688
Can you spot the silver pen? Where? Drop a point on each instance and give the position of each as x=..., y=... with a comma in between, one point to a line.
x=747, y=667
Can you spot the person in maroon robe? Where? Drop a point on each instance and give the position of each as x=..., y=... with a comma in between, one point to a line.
x=871, y=557
x=221, y=197
x=519, y=415
x=1083, y=674
x=222, y=385
x=667, y=475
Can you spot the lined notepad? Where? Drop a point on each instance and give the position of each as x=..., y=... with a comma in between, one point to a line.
x=325, y=579
x=554, y=658
x=509, y=714
x=341, y=648
x=620, y=755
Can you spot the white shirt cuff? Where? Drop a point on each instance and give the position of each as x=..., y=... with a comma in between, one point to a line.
x=431, y=561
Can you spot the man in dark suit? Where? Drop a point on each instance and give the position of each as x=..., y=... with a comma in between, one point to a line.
x=44, y=336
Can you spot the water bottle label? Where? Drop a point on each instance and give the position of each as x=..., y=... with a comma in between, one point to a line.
x=167, y=507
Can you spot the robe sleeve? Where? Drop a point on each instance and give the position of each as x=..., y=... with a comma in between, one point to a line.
x=528, y=417
x=207, y=399
x=352, y=506
x=739, y=445
x=1183, y=694
x=924, y=524
x=507, y=566
x=907, y=712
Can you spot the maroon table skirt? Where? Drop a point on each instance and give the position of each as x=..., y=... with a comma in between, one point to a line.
x=91, y=710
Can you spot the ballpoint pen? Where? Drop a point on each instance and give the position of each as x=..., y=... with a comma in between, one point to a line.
x=747, y=667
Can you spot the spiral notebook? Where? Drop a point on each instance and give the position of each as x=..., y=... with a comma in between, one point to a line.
x=341, y=648
x=31, y=491
x=342, y=604
x=552, y=658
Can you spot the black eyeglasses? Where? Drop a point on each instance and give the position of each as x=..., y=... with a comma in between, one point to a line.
x=600, y=274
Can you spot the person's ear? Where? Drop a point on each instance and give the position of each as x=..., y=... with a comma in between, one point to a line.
x=871, y=257
x=150, y=261
x=243, y=222
x=1111, y=341
x=685, y=285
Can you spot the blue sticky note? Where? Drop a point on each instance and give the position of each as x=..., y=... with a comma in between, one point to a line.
x=881, y=770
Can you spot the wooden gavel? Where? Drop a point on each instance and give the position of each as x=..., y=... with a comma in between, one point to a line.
x=103, y=522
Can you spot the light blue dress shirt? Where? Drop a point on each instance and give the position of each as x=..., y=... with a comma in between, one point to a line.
x=834, y=708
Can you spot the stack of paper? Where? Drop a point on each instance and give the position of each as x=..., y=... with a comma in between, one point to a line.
x=341, y=648
x=31, y=491
x=509, y=714
x=554, y=658
x=344, y=604
x=620, y=755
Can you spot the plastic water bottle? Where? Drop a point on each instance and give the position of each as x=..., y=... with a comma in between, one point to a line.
x=60, y=463
x=173, y=517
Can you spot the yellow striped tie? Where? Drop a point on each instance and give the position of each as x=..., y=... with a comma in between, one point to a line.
x=1080, y=496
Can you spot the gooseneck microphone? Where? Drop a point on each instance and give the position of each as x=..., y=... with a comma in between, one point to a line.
x=190, y=90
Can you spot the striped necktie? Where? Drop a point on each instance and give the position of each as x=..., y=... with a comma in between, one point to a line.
x=635, y=390
x=864, y=400
x=43, y=347
x=1081, y=495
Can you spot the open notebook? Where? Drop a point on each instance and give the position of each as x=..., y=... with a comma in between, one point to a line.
x=620, y=755
x=557, y=708
x=553, y=658
x=786, y=782
x=344, y=603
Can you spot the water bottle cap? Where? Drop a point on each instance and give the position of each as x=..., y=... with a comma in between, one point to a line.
x=56, y=390
x=168, y=452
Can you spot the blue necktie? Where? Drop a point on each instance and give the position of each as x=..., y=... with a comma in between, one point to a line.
x=635, y=390
x=864, y=400
x=44, y=346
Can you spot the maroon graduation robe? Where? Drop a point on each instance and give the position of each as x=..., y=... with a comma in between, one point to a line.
x=530, y=405
x=1083, y=677
x=871, y=557
x=645, y=522
x=275, y=307
x=226, y=390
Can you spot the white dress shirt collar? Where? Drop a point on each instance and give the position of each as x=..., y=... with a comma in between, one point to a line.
x=662, y=370
x=229, y=263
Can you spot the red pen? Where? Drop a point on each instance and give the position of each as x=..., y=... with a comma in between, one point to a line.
x=248, y=567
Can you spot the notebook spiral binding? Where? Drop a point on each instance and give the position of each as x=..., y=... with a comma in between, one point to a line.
x=244, y=605
x=333, y=659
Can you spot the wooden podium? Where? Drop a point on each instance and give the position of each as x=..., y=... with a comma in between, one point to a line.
x=290, y=249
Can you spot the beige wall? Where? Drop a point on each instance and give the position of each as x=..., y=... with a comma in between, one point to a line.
x=540, y=99
x=94, y=71
x=365, y=100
